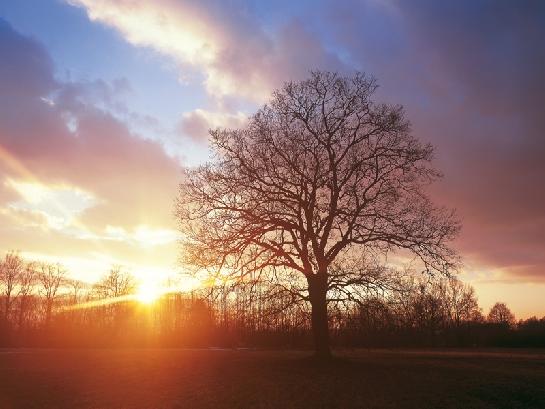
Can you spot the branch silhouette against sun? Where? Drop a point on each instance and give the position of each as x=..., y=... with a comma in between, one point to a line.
x=318, y=174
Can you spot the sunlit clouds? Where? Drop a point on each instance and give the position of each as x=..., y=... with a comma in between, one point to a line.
x=183, y=35
x=182, y=31
x=142, y=235
x=238, y=57
x=58, y=205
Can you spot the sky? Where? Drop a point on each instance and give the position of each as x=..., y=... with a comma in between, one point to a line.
x=102, y=104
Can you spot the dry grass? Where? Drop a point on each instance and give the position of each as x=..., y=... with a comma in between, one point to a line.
x=265, y=379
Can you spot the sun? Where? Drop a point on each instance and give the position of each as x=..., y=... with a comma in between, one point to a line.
x=148, y=293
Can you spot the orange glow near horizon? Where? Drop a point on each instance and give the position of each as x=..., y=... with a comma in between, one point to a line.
x=149, y=292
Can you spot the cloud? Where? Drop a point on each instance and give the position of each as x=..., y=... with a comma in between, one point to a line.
x=490, y=53
x=223, y=40
x=70, y=169
x=58, y=205
x=197, y=123
x=142, y=235
x=470, y=74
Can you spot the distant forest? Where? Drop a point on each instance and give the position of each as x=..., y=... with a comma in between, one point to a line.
x=42, y=307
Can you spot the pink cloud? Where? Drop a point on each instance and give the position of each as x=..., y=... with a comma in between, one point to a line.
x=132, y=180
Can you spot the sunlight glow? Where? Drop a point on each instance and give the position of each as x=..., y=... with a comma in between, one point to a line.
x=148, y=293
x=141, y=235
x=98, y=303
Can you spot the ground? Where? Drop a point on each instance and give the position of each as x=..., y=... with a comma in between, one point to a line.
x=143, y=378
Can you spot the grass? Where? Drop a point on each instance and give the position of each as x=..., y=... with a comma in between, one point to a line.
x=270, y=379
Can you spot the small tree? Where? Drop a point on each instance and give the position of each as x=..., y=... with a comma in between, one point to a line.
x=52, y=277
x=501, y=314
x=319, y=174
x=11, y=269
x=27, y=282
x=76, y=287
x=115, y=284
x=462, y=302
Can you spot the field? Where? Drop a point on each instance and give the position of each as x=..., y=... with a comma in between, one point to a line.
x=270, y=379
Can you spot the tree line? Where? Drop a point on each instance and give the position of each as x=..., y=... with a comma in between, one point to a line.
x=42, y=306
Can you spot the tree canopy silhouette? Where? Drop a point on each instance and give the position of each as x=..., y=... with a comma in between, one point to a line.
x=318, y=175
x=501, y=314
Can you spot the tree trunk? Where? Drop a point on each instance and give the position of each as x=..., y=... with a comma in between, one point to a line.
x=7, y=306
x=317, y=288
x=22, y=308
x=48, y=310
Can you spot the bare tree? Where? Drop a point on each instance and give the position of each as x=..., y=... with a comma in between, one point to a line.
x=10, y=270
x=501, y=314
x=76, y=287
x=115, y=284
x=27, y=282
x=319, y=173
x=52, y=277
x=462, y=302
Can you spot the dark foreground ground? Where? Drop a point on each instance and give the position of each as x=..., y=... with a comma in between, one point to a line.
x=257, y=379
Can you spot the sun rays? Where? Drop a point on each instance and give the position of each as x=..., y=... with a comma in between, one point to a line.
x=147, y=293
